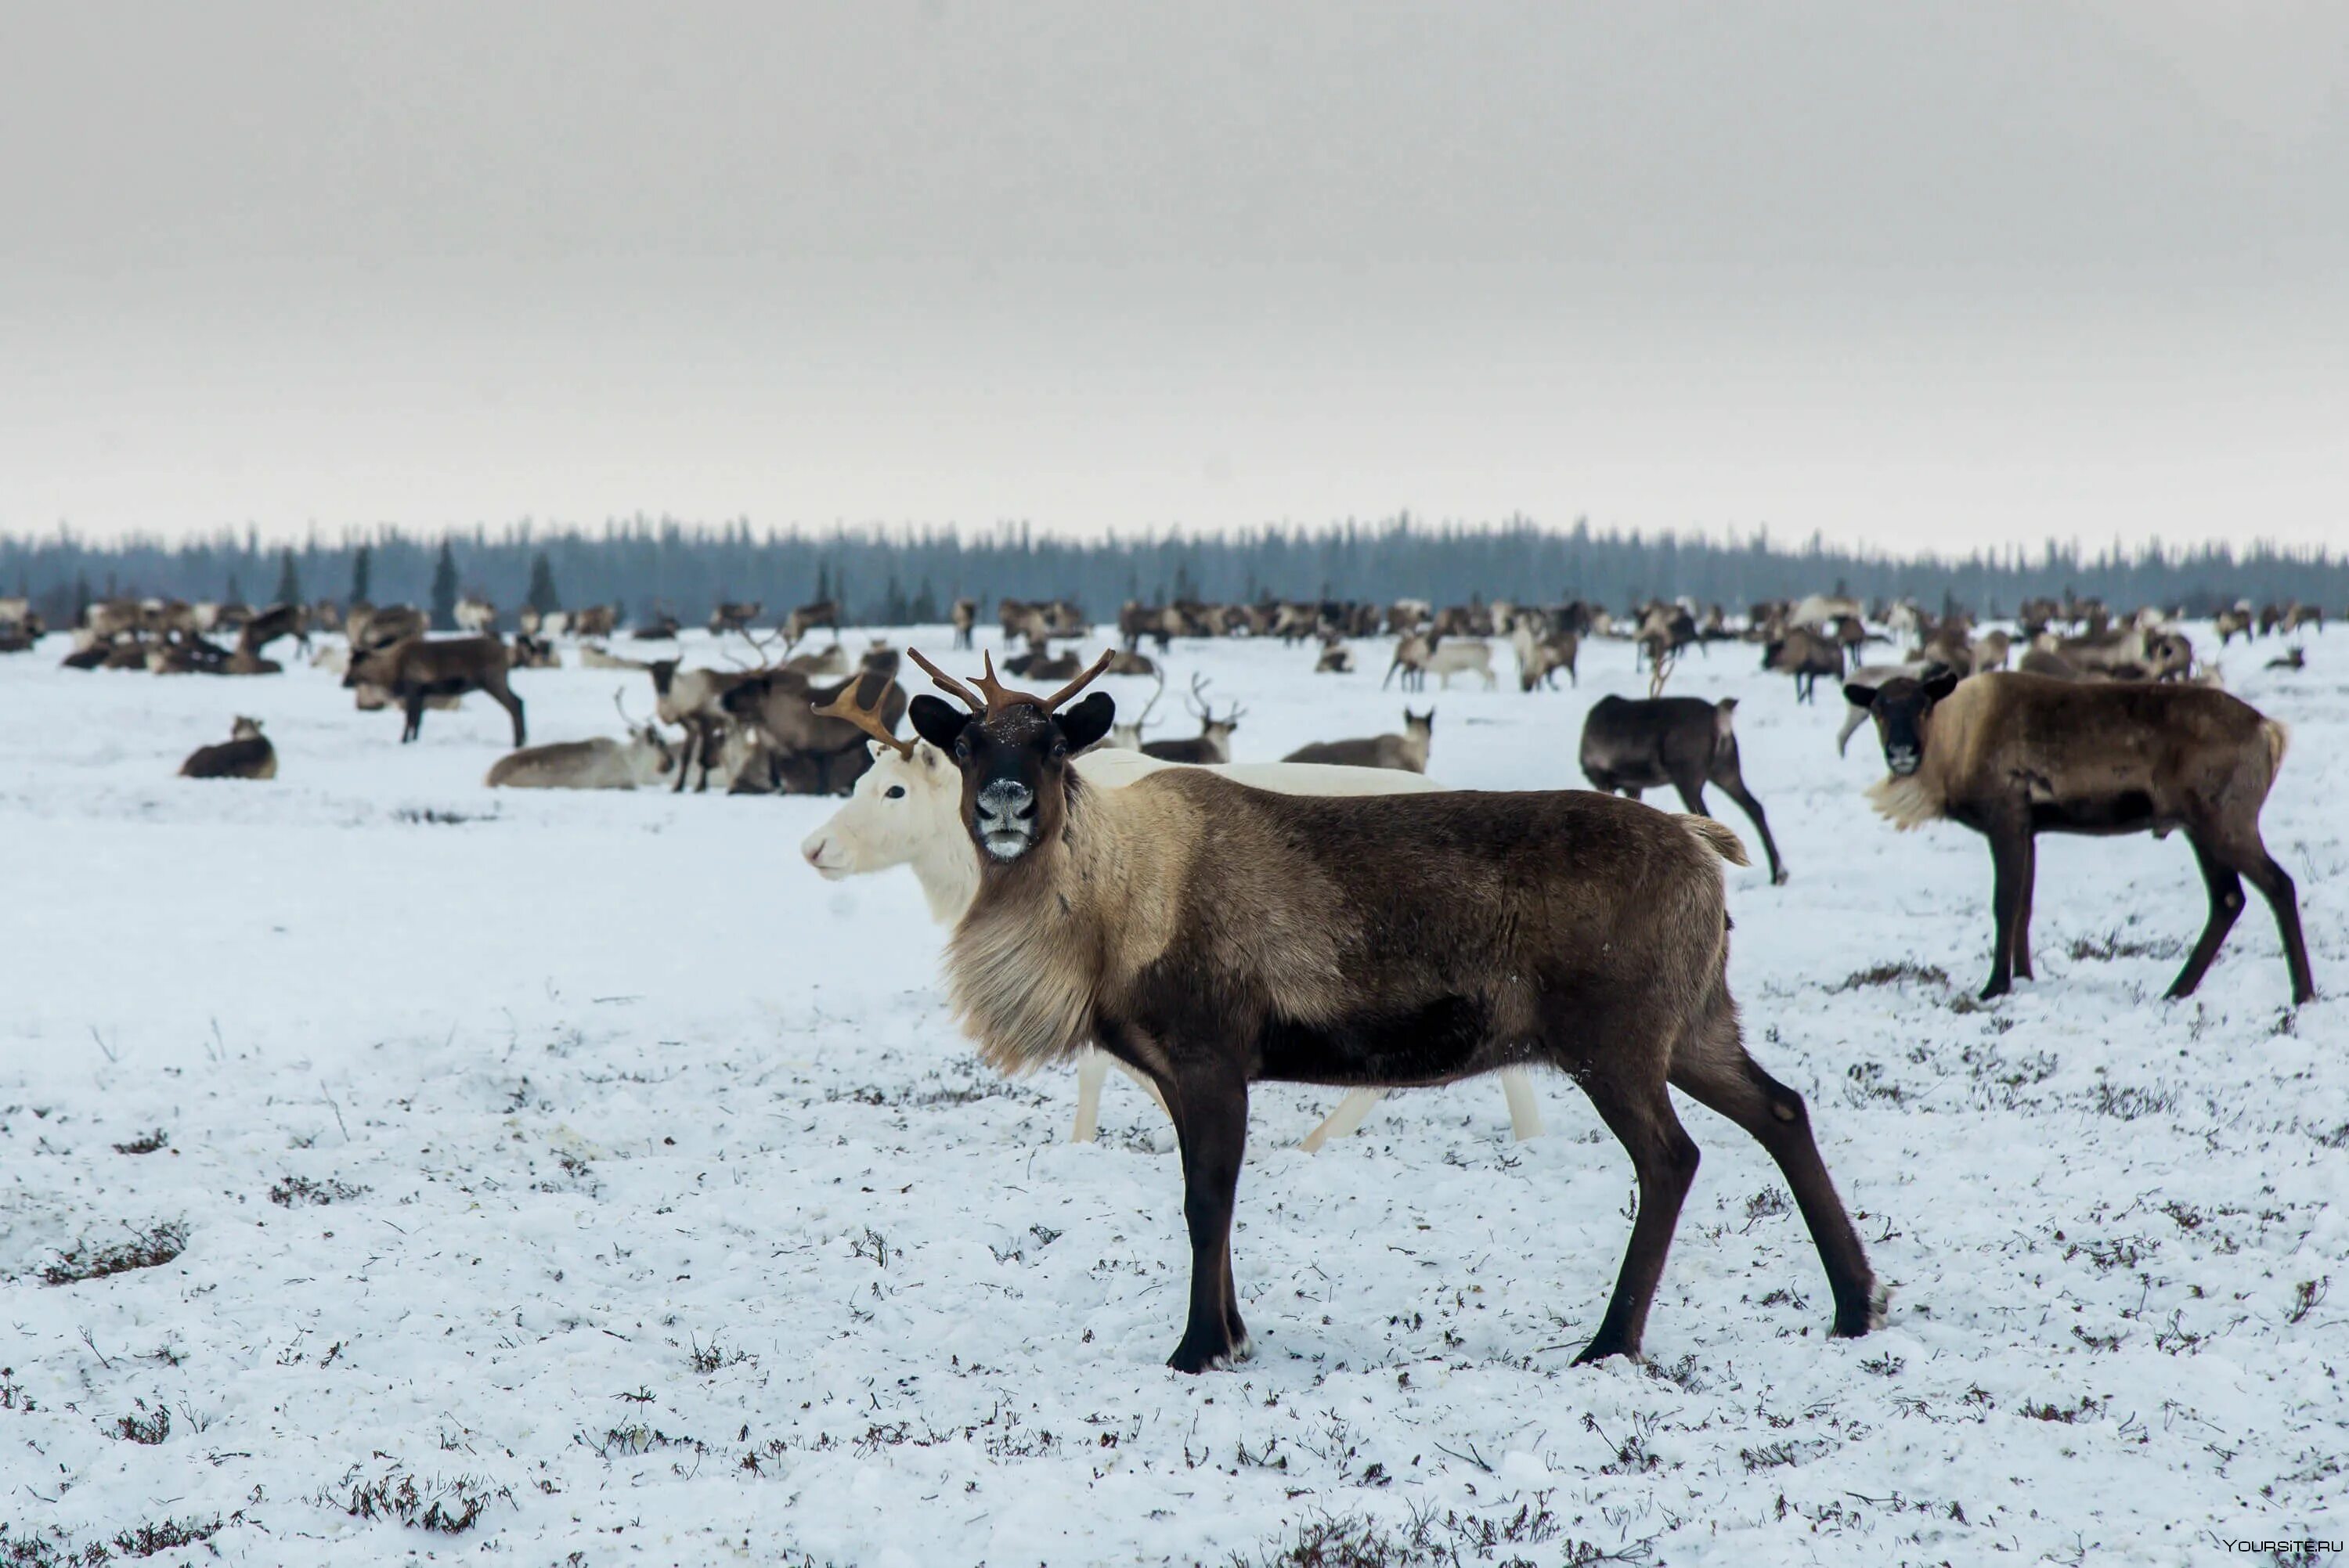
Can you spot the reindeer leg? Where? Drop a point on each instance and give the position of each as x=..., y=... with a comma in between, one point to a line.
x=2275, y=885
x=1732, y=780
x=1210, y=1107
x=685, y=757
x=1525, y=1109
x=2010, y=854
x=1639, y=1113
x=1340, y=1123
x=2226, y=890
x=1093, y=1069
x=414, y=727
x=2023, y=907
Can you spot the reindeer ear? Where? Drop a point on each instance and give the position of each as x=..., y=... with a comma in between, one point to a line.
x=1938, y=687
x=1858, y=696
x=1088, y=721
x=936, y=722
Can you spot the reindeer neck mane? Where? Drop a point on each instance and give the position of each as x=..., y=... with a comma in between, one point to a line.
x=1048, y=931
x=1954, y=734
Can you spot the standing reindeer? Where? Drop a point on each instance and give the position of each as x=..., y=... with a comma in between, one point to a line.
x=1211, y=935
x=2016, y=756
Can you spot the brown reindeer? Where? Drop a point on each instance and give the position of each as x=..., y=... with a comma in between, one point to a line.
x=817, y=732
x=965, y=616
x=2014, y=756
x=1210, y=936
x=1683, y=741
x=808, y=617
x=691, y=700
x=246, y=754
x=1805, y=655
x=1406, y=753
x=422, y=667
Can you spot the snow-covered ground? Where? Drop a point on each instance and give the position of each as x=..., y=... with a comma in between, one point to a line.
x=586, y=1161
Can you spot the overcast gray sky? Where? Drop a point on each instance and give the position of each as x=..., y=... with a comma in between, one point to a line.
x=1934, y=275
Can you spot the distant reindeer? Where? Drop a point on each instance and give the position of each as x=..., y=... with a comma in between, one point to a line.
x=421, y=667
x=1805, y=655
x=246, y=754
x=1214, y=741
x=965, y=617
x=808, y=617
x=476, y=615
x=1336, y=658
x=729, y=615
x=1542, y=653
x=640, y=761
x=1406, y=753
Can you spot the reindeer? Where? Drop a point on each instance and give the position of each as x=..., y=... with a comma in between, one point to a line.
x=1806, y=656
x=731, y=615
x=808, y=617
x=1420, y=654
x=596, y=621
x=1336, y=658
x=2232, y=622
x=1212, y=936
x=371, y=629
x=530, y=653
x=965, y=617
x=1542, y=653
x=907, y=811
x=421, y=668
x=477, y=616
x=813, y=732
x=603, y=763
x=2014, y=756
x=1127, y=737
x=1630, y=747
x=1040, y=663
x=1214, y=741
x=1406, y=753
x=1869, y=677
x=691, y=699
x=246, y=754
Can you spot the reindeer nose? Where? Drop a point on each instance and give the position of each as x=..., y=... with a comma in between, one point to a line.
x=812, y=850
x=1005, y=801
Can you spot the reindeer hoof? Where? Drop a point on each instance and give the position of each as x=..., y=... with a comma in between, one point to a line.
x=1600, y=1350
x=1193, y=1359
x=1869, y=1318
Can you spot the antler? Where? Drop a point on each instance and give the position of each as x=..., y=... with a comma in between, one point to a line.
x=623, y=708
x=868, y=720
x=1198, y=690
x=993, y=697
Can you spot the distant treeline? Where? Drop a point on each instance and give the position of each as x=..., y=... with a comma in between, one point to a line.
x=914, y=575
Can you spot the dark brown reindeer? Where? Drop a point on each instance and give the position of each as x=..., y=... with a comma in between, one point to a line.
x=2014, y=756
x=1212, y=936
x=808, y=617
x=1683, y=741
x=423, y=667
x=245, y=754
x=813, y=737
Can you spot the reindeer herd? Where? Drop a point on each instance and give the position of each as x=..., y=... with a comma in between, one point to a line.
x=1342, y=918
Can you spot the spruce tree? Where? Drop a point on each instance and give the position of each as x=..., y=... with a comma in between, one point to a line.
x=361, y=566
x=289, y=579
x=444, y=590
x=542, y=597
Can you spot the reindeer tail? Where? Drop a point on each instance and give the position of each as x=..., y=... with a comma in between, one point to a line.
x=1719, y=837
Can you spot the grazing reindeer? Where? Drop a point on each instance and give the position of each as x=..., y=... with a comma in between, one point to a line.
x=907, y=811
x=2014, y=756
x=1682, y=741
x=421, y=668
x=1212, y=936
x=246, y=754
x=1806, y=656
x=1406, y=753
x=602, y=763
x=278, y=621
x=1214, y=741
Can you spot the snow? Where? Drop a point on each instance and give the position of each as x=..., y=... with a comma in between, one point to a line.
x=687, y=1229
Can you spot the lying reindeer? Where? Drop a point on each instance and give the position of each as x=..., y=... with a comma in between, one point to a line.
x=2014, y=756
x=640, y=761
x=1214, y=741
x=246, y=754
x=1406, y=753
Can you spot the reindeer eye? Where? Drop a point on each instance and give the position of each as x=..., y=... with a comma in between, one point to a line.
x=894, y=792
